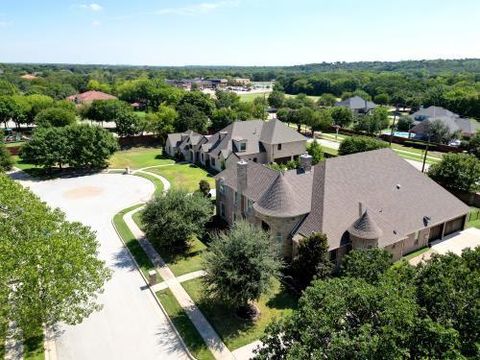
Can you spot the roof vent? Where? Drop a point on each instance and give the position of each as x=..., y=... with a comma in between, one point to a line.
x=426, y=220
x=398, y=186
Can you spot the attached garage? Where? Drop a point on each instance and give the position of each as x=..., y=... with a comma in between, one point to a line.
x=435, y=233
x=454, y=225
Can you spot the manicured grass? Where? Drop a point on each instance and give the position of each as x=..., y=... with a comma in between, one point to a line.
x=138, y=157
x=132, y=244
x=14, y=144
x=180, y=264
x=473, y=219
x=246, y=97
x=33, y=346
x=415, y=253
x=23, y=165
x=184, y=176
x=156, y=182
x=234, y=331
x=184, y=326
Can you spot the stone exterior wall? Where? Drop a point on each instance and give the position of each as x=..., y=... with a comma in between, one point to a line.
x=292, y=150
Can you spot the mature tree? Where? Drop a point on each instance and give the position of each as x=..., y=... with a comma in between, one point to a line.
x=6, y=161
x=204, y=187
x=54, y=116
x=276, y=99
x=105, y=110
x=368, y=264
x=222, y=117
x=226, y=99
x=314, y=149
x=473, y=145
x=448, y=288
x=127, y=123
x=201, y=101
x=374, y=122
x=6, y=109
x=99, y=86
x=405, y=123
x=345, y=318
x=240, y=266
x=49, y=270
x=259, y=108
x=312, y=260
x=457, y=172
x=381, y=99
x=341, y=116
x=172, y=220
x=321, y=121
x=439, y=132
x=282, y=114
x=59, y=90
x=355, y=144
x=152, y=93
x=191, y=117
x=38, y=103
x=79, y=146
x=327, y=100
x=162, y=122
x=7, y=88
x=20, y=108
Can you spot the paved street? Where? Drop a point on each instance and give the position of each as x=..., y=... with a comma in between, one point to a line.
x=130, y=325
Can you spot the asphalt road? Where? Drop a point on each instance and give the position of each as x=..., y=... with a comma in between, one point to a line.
x=130, y=325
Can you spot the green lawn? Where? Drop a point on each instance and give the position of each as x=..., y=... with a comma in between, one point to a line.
x=474, y=217
x=183, y=263
x=138, y=157
x=156, y=182
x=184, y=326
x=185, y=176
x=23, y=165
x=132, y=244
x=246, y=97
x=15, y=143
x=234, y=331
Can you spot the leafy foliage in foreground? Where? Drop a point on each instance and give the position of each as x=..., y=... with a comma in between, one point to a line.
x=49, y=271
x=428, y=312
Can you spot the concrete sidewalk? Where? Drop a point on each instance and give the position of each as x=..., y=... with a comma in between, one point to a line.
x=209, y=335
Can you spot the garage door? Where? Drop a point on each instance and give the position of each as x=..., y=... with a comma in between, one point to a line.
x=454, y=225
x=435, y=233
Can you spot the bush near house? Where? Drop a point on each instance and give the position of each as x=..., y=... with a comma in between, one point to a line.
x=355, y=144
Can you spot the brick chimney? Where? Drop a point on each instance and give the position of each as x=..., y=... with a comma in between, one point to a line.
x=242, y=176
x=306, y=162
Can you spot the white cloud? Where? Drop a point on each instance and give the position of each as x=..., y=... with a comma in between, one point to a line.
x=96, y=23
x=196, y=9
x=93, y=7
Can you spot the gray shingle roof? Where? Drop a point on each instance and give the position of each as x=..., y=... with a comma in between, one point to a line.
x=433, y=111
x=467, y=127
x=365, y=227
x=397, y=195
x=356, y=103
x=276, y=132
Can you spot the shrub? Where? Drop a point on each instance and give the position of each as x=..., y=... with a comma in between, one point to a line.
x=6, y=161
x=357, y=144
x=55, y=116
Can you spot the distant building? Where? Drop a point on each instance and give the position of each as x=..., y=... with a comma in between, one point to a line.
x=241, y=81
x=29, y=77
x=425, y=116
x=360, y=201
x=256, y=140
x=89, y=96
x=357, y=104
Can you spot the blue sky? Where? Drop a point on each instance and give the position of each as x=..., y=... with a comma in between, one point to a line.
x=236, y=32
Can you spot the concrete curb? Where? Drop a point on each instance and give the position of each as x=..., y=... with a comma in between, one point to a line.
x=189, y=354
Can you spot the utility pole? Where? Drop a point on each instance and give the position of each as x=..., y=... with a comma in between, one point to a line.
x=393, y=124
x=425, y=155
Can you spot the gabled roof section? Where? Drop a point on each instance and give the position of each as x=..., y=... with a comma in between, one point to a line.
x=356, y=103
x=434, y=111
x=276, y=132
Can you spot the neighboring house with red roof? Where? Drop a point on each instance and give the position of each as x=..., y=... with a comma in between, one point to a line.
x=89, y=96
x=360, y=201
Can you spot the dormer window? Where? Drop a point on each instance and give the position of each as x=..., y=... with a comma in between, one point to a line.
x=243, y=146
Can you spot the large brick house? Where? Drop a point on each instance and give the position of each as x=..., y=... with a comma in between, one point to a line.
x=256, y=140
x=364, y=200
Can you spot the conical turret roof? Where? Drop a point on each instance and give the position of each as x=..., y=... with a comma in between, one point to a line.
x=365, y=227
x=280, y=200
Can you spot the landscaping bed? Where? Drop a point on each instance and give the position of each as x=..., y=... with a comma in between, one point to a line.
x=234, y=331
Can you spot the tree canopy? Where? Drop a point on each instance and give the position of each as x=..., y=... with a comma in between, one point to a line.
x=457, y=172
x=355, y=144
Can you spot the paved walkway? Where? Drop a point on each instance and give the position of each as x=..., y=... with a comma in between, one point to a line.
x=209, y=335
x=246, y=352
x=455, y=243
x=131, y=325
x=165, y=182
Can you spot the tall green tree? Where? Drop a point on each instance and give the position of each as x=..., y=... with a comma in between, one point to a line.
x=127, y=123
x=162, y=122
x=240, y=266
x=55, y=117
x=368, y=264
x=276, y=99
x=341, y=116
x=312, y=260
x=314, y=149
x=49, y=270
x=6, y=161
x=170, y=221
x=457, y=172
x=355, y=144
x=190, y=117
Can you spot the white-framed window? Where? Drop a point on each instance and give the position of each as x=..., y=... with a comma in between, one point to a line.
x=243, y=146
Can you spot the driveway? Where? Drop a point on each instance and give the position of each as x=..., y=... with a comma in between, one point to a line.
x=130, y=325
